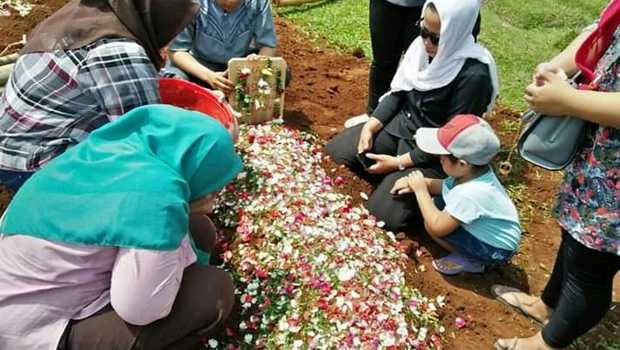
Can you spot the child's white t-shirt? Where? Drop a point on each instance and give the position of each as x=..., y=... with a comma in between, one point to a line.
x=484, y=210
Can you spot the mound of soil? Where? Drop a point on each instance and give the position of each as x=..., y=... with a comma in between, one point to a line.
x=327, y=88
x=13, y=27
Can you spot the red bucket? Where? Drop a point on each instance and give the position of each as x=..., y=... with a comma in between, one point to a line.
x=185, y=94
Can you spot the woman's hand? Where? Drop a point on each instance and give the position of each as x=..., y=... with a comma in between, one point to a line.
x=552, y=97
x=372, y=126
x=365, y=142
x=384, y=164
x=417, y=182
x=203, y=205
x=401, y=187
x=254, y=57
x=233, y=128
x=219, y=80
x=547, y=67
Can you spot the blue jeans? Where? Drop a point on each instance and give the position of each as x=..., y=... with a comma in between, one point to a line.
x=469, y=246
x=14, y=179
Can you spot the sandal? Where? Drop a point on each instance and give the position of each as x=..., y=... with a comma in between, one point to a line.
x=353, y=121
x=455, y=264
x=506, y=344
x=499, y=291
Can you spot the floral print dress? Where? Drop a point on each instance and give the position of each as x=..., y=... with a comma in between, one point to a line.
x=588, y=203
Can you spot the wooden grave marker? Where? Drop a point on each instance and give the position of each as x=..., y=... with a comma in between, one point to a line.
x=259, y=88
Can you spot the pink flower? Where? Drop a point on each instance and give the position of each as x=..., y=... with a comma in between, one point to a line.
x=459, y=323
x=260, y=273
x=246, y=237
x=246, y=298
x=339, y=181
x=227, y=256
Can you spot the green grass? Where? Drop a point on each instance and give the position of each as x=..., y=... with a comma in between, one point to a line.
x=520, y=33
x=343, y=23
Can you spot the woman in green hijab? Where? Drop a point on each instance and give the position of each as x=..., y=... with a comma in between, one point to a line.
x=101, y=248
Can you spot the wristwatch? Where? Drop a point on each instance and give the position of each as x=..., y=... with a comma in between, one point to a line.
x=401, y=166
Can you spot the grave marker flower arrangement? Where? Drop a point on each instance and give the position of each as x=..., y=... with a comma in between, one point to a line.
x=258, y=89
x=311, y=270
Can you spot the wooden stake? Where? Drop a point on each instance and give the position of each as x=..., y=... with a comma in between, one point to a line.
x=5, y=72
x=8, y=59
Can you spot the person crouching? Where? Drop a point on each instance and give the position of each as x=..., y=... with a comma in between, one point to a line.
x=471, y=214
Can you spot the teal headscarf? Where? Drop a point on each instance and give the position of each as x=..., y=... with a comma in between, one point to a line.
x=129, y=183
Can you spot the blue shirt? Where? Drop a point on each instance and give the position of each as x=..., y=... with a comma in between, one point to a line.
x=484, y=210
x=217, y=36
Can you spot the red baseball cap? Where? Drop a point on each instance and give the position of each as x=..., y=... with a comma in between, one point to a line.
x=465, y=136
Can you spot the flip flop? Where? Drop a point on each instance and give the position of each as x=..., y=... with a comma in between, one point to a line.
x=506, y=344
x=459, y=264
x=498, y=291
x=353, y=121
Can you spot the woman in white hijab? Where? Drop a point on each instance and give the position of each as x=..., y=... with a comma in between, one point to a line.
x=443, y=73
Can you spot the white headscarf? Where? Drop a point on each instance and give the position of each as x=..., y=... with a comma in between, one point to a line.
x=456, y=45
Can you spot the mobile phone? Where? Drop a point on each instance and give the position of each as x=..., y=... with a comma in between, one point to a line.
x=365, y=161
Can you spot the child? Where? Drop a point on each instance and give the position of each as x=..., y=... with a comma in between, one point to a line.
x=471, y=215
x=223, y=29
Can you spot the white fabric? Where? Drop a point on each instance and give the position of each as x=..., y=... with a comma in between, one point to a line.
x=358, y=119
x=456, y=45
x=45, y=284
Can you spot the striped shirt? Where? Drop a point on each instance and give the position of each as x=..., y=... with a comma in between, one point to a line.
x=215, y=36
x=53, y=100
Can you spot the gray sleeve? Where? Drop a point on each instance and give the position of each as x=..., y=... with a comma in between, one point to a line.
x=388, y=107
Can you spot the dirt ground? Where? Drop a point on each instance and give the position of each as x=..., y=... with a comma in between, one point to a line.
x=328, y=87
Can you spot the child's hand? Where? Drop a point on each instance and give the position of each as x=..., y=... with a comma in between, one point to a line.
x=219, y=81
x=401, y=187
x=416, y=181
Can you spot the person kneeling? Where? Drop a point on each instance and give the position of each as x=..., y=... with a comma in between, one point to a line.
x=471, y=215
x=116, y=257
x=223, y=29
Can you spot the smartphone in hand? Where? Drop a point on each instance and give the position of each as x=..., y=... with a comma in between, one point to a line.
x=365, y=161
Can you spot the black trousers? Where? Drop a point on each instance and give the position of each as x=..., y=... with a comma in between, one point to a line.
x=579, y=290
x=397, y=212
x=204, y=301
x=392, y=29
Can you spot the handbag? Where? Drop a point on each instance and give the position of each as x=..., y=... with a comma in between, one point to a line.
x=550, y=142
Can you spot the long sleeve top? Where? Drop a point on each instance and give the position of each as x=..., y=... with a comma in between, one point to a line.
x=44, y=284
x=403, y=112
x=53, y=100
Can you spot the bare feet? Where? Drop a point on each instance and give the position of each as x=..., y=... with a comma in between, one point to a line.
x=535, y=342
x=529, y=305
